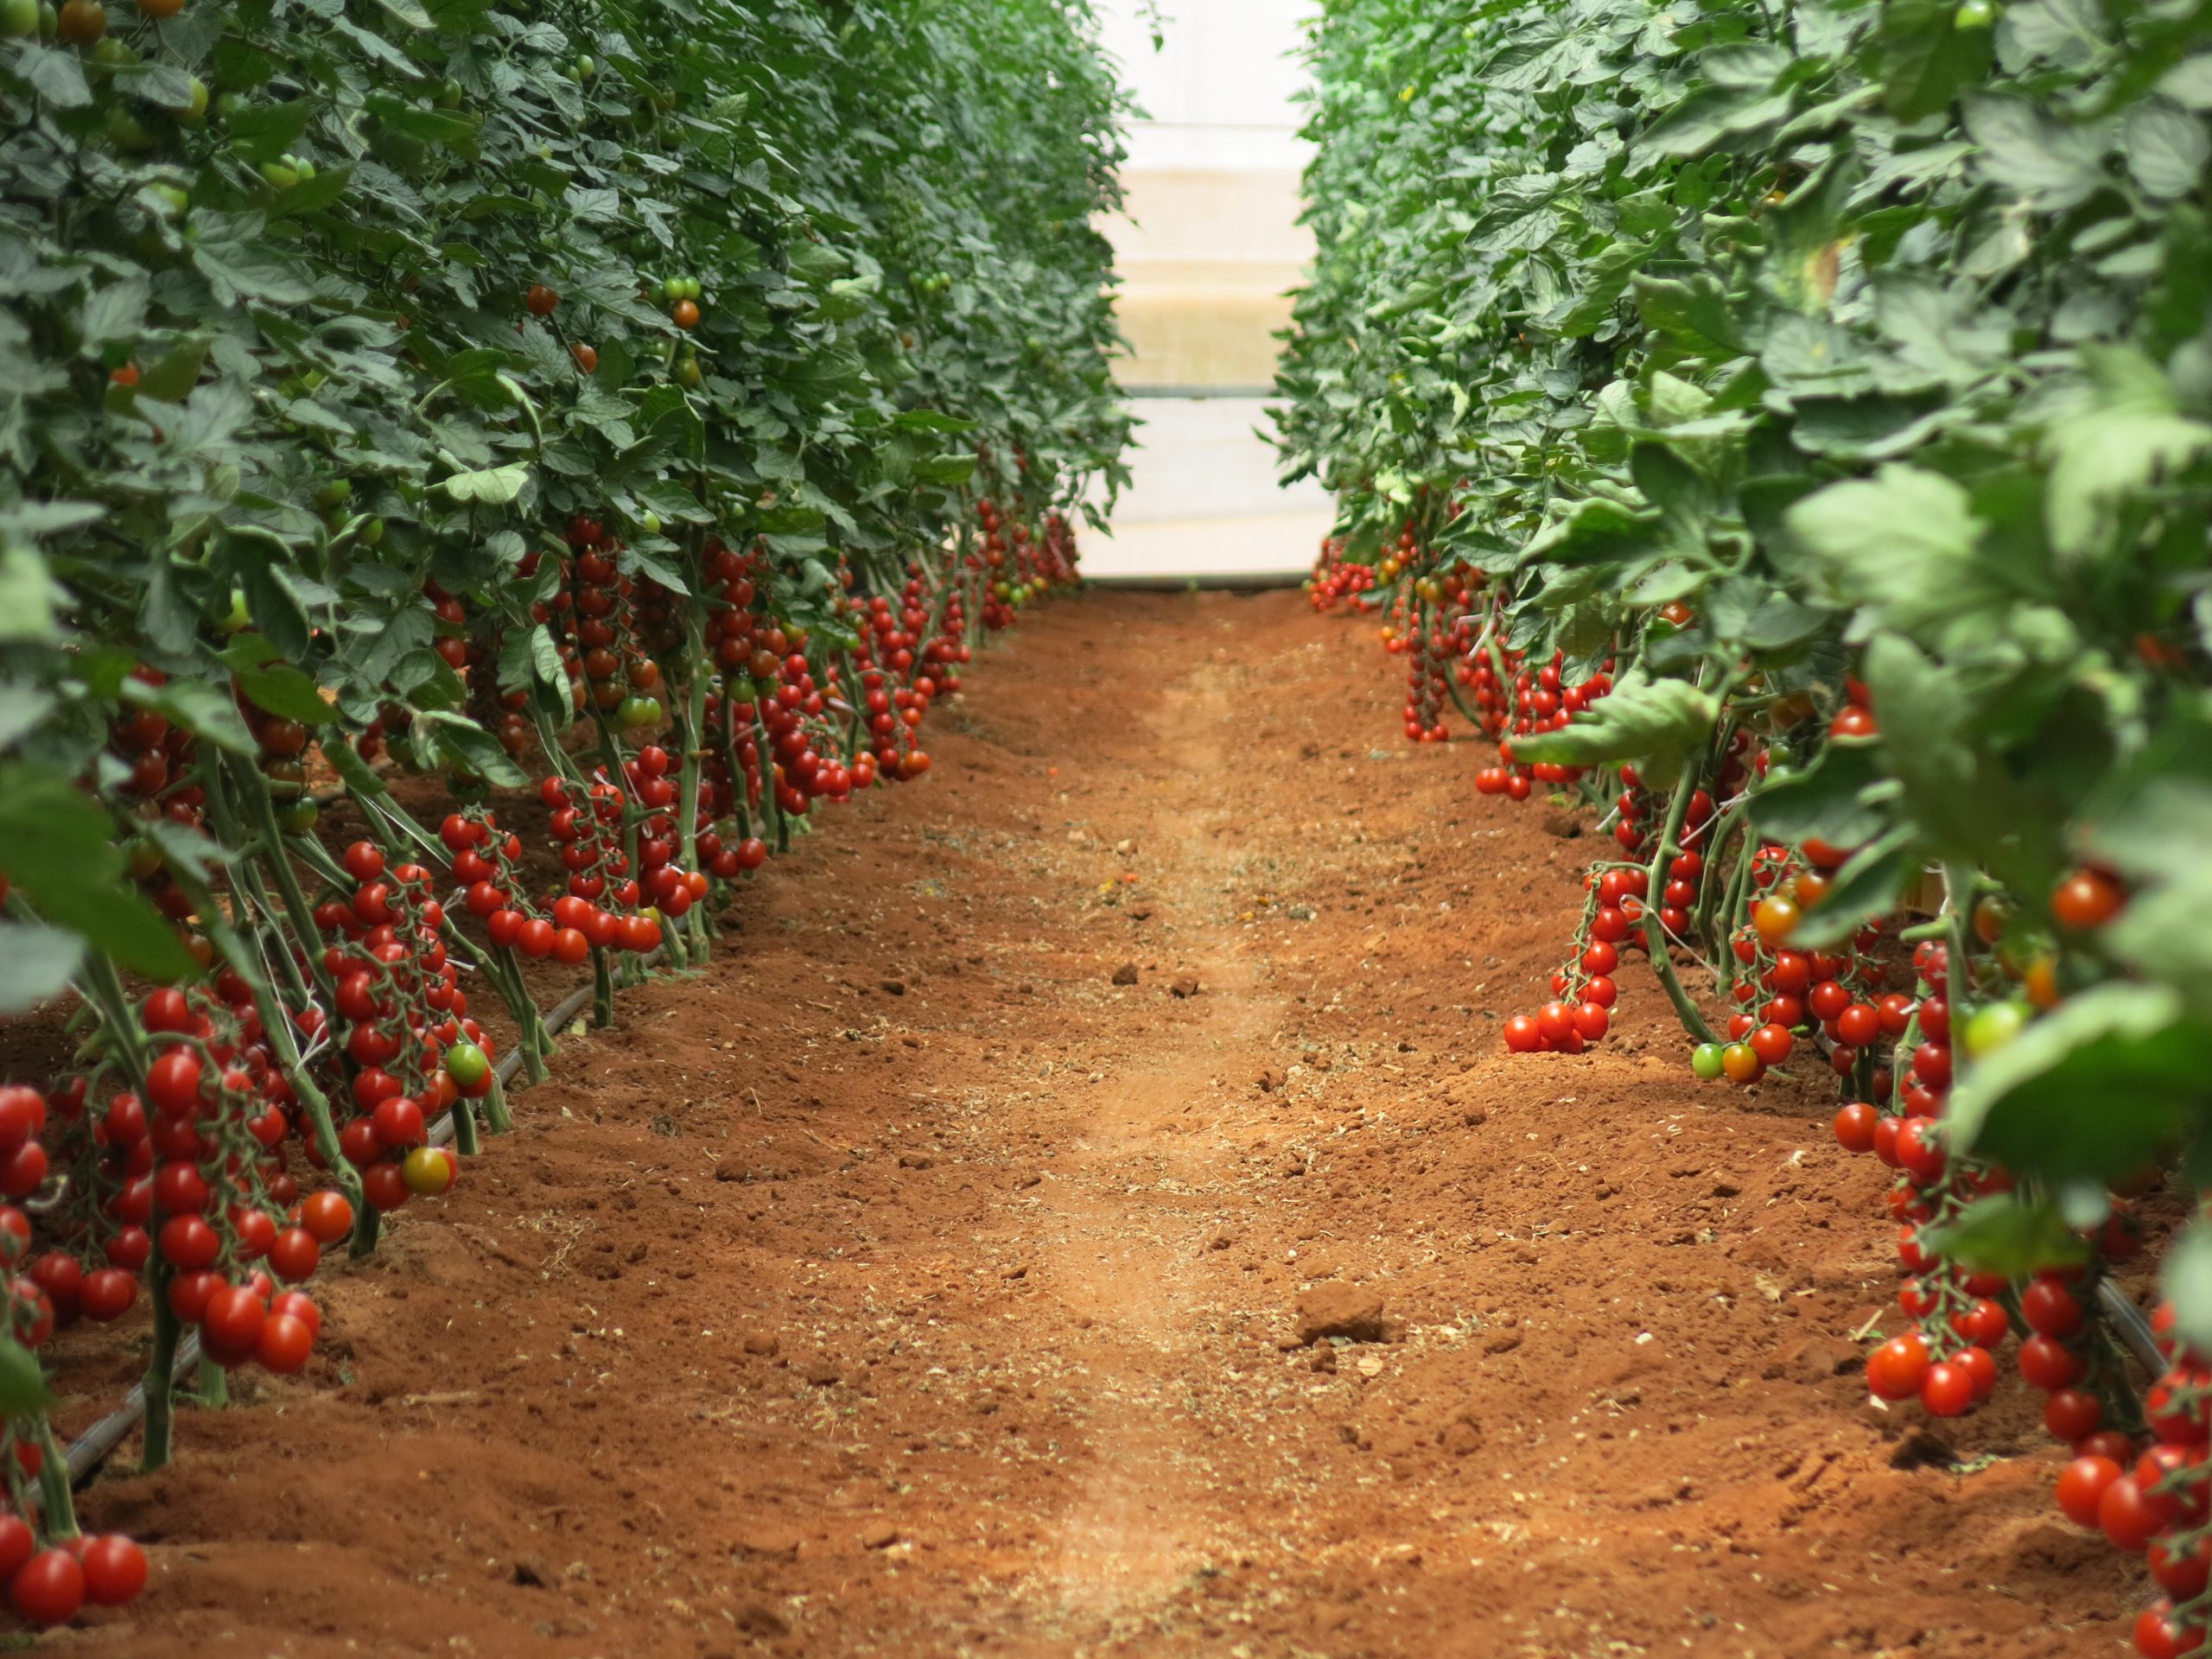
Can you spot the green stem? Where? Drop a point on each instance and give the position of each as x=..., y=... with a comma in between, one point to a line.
x=602, y=983
x=496, y=1115
x=214, y=1384
x=692, y=720
x=1654, y=935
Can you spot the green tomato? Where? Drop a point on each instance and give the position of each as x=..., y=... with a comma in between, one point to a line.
x=1705, y=1060
x=650, y=522
x=175, y=200
x=114, y=54
x=299, y=817
x=126, y=131
x=689, y=373
x=279, y=175
x=197, y=110
x=19, y=19
x=448, y=94
x=1974, y=14
x=237, y=620
x=230, y=105
x=633, y=712
x=1993, y=1026
x=467, y=1065
x=332, y=492
x=372, y=532
x=586, y=69
x=49, y=20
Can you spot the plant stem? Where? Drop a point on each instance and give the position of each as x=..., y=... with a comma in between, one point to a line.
x=1654, y=935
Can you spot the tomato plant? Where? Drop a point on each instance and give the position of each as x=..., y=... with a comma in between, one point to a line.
x=1688, y=407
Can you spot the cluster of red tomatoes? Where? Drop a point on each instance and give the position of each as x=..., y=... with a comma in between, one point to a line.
x=50, y=1585
x=209, y=1134
x=159, y=757
x=2161, y=1506
x=1526, y=701
x=621, y=679
x=1017, y=566
x=599, y=907
x=1338, y=581
x=409, y=1045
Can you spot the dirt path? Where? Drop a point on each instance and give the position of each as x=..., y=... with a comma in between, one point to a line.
x=902, y=1284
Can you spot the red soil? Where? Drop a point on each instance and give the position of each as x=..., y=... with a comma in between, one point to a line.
x=901, y=1285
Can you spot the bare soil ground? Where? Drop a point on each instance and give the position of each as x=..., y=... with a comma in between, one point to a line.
x=904, y=1285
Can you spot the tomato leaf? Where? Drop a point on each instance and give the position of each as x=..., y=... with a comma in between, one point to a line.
x=2007, y=1233
x=2131, y=1050
x=35, y=962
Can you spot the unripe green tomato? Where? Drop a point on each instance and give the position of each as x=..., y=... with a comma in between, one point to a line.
x=299, y=817
x=49, y=20
x=650, y=522
x=1705, y=1061
x=196, y=109
x=1974, y=14
x=1993, y=1026
x=278, y=176
x=672, y=288
x=448, y=94
x=467, y=1065
x=113, y=53
x=586, y=68
x=372, y=532
x=230, y=105
x=126, y=131
x=689, y=373
x=19, y=19
x=304, y=168
x=172, y=197
x=633, y=712
x=331, y=492
x=237, y=620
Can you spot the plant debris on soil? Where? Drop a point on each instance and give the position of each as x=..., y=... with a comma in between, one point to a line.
x=1085, y=1208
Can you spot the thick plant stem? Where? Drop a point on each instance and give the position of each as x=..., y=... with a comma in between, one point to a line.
x=602, y=984
x=254, y=791
x=464, y=1126
x=496, y=1116
x=1654, y=935
x=214, y=1384
x=161, y=1371
x=693, y=723
x=58, y=1508
x=102, y=989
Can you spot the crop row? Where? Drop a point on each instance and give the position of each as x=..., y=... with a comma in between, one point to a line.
x=636, y=414
x=1788, y=430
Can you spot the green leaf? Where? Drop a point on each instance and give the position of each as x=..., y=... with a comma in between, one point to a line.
x=265, y=132
x=200, y=708
x=468, y=747
x=2049, y=165
x=354, y=771
x=2007, y=1233
x=1641, y=719
x=1866, y=886
x=1927, y=60
x=2093, y=1089
x=495, y=486
x=56, y=844
x=1901, y=544
x=35, y=962
x=1822, y=801
x=54, y=75
x=2124, y=432
x=29, y=596
x=2186, y=1278
x=284, y=690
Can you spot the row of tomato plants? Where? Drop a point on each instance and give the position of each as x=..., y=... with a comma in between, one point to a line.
x=636, y=414
x=1786, y=432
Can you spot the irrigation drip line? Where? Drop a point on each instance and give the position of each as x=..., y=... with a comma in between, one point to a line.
x=89, y=1450
x=2134, y=1330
